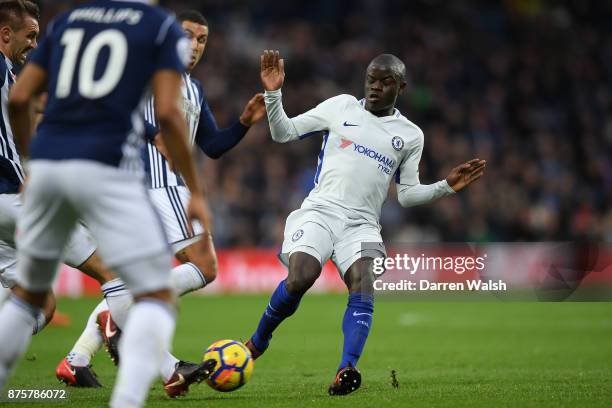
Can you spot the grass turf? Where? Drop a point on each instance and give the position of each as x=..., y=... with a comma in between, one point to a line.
x=444, y=354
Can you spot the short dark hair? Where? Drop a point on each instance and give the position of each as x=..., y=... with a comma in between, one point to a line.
x=12, y=12
x=392, y=62
x=192, y=15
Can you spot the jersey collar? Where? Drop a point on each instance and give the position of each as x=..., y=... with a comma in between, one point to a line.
x=136, y=1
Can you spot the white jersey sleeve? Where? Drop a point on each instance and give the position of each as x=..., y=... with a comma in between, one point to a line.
x=284, y=129
x=410, y=192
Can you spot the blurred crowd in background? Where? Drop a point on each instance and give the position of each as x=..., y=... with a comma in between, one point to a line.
x=524, y=84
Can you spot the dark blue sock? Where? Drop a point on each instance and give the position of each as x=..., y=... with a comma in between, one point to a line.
x=356, y=327
x=282, y=305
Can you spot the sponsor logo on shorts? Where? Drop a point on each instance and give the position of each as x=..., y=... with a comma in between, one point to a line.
x=397, y=143
x=297, y=235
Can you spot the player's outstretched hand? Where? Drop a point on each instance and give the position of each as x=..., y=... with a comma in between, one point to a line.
x=254, y=110
x=272, y=70
x=466, y=173
x=198, y=210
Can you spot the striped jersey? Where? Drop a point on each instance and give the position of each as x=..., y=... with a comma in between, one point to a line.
x=100, y=58
x=156, y=166
x=11, y=170
x=202, y=130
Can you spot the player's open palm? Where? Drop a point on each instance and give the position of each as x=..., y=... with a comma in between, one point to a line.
x=272, y=70
x=466, y=173
x=254, y=110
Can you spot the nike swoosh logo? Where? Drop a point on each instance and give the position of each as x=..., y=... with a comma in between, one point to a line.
x=360, y=314
x=348, y=124
x=70, y=369
x=108, y=331
x=180, y=381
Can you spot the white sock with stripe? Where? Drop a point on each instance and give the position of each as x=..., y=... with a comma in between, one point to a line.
x=119, y=300
x=186, y=278
x=90, y=341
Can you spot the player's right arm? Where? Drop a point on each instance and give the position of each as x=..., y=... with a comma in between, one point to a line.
x=31, y=82
x=282, y=128
x=166, y=86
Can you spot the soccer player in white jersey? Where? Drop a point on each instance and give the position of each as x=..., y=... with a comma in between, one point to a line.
x=367, y=143
x=18, y=36
x=194, y=248
x=85, y=164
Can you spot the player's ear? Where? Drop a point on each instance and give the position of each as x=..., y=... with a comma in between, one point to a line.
x=402, y=87
x=5, y=34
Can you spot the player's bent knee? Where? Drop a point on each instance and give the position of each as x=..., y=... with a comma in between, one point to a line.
x=359, y=278
x=304, y=270
x=208, y=265
x=201, y=254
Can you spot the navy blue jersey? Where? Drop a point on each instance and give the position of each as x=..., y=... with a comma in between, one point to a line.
x=202, y=130
x=100, y=58
x=11, y=171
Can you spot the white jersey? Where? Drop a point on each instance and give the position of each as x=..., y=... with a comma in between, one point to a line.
x=360, y=155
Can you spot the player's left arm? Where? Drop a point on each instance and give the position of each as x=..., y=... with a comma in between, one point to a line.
x=410, y=192
x=31, y=82
x=213, y=141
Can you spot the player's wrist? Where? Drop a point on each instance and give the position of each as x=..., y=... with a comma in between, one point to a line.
x=275, y=92
x=245, y=121
x=447, y=187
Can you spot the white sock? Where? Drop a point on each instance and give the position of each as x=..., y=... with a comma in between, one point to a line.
x=119, y=300
x=147, y=335
x=90, y=341
x=17, y=319
x=168, y=365
x=41, y=322
x=186, y=278
x=4, y=293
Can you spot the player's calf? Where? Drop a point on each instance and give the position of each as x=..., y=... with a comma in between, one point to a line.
x=198, y=268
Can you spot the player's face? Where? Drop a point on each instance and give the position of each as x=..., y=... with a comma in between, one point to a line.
x=381, y=90
x=24, y=40
x=198, y=34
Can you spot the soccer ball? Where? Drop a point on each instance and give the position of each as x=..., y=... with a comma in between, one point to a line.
x=234, y=365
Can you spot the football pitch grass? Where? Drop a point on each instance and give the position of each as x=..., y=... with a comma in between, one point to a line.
x=482, y=354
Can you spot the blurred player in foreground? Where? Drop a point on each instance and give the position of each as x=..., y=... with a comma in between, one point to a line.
x=194, y=248
x=18, y=36
x=366, y=144
x=86, y=164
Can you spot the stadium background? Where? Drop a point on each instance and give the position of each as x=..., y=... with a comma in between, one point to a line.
x=524, y=84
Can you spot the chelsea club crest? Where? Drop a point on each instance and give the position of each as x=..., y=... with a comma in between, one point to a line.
x=297, y=235
x=397, y=143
